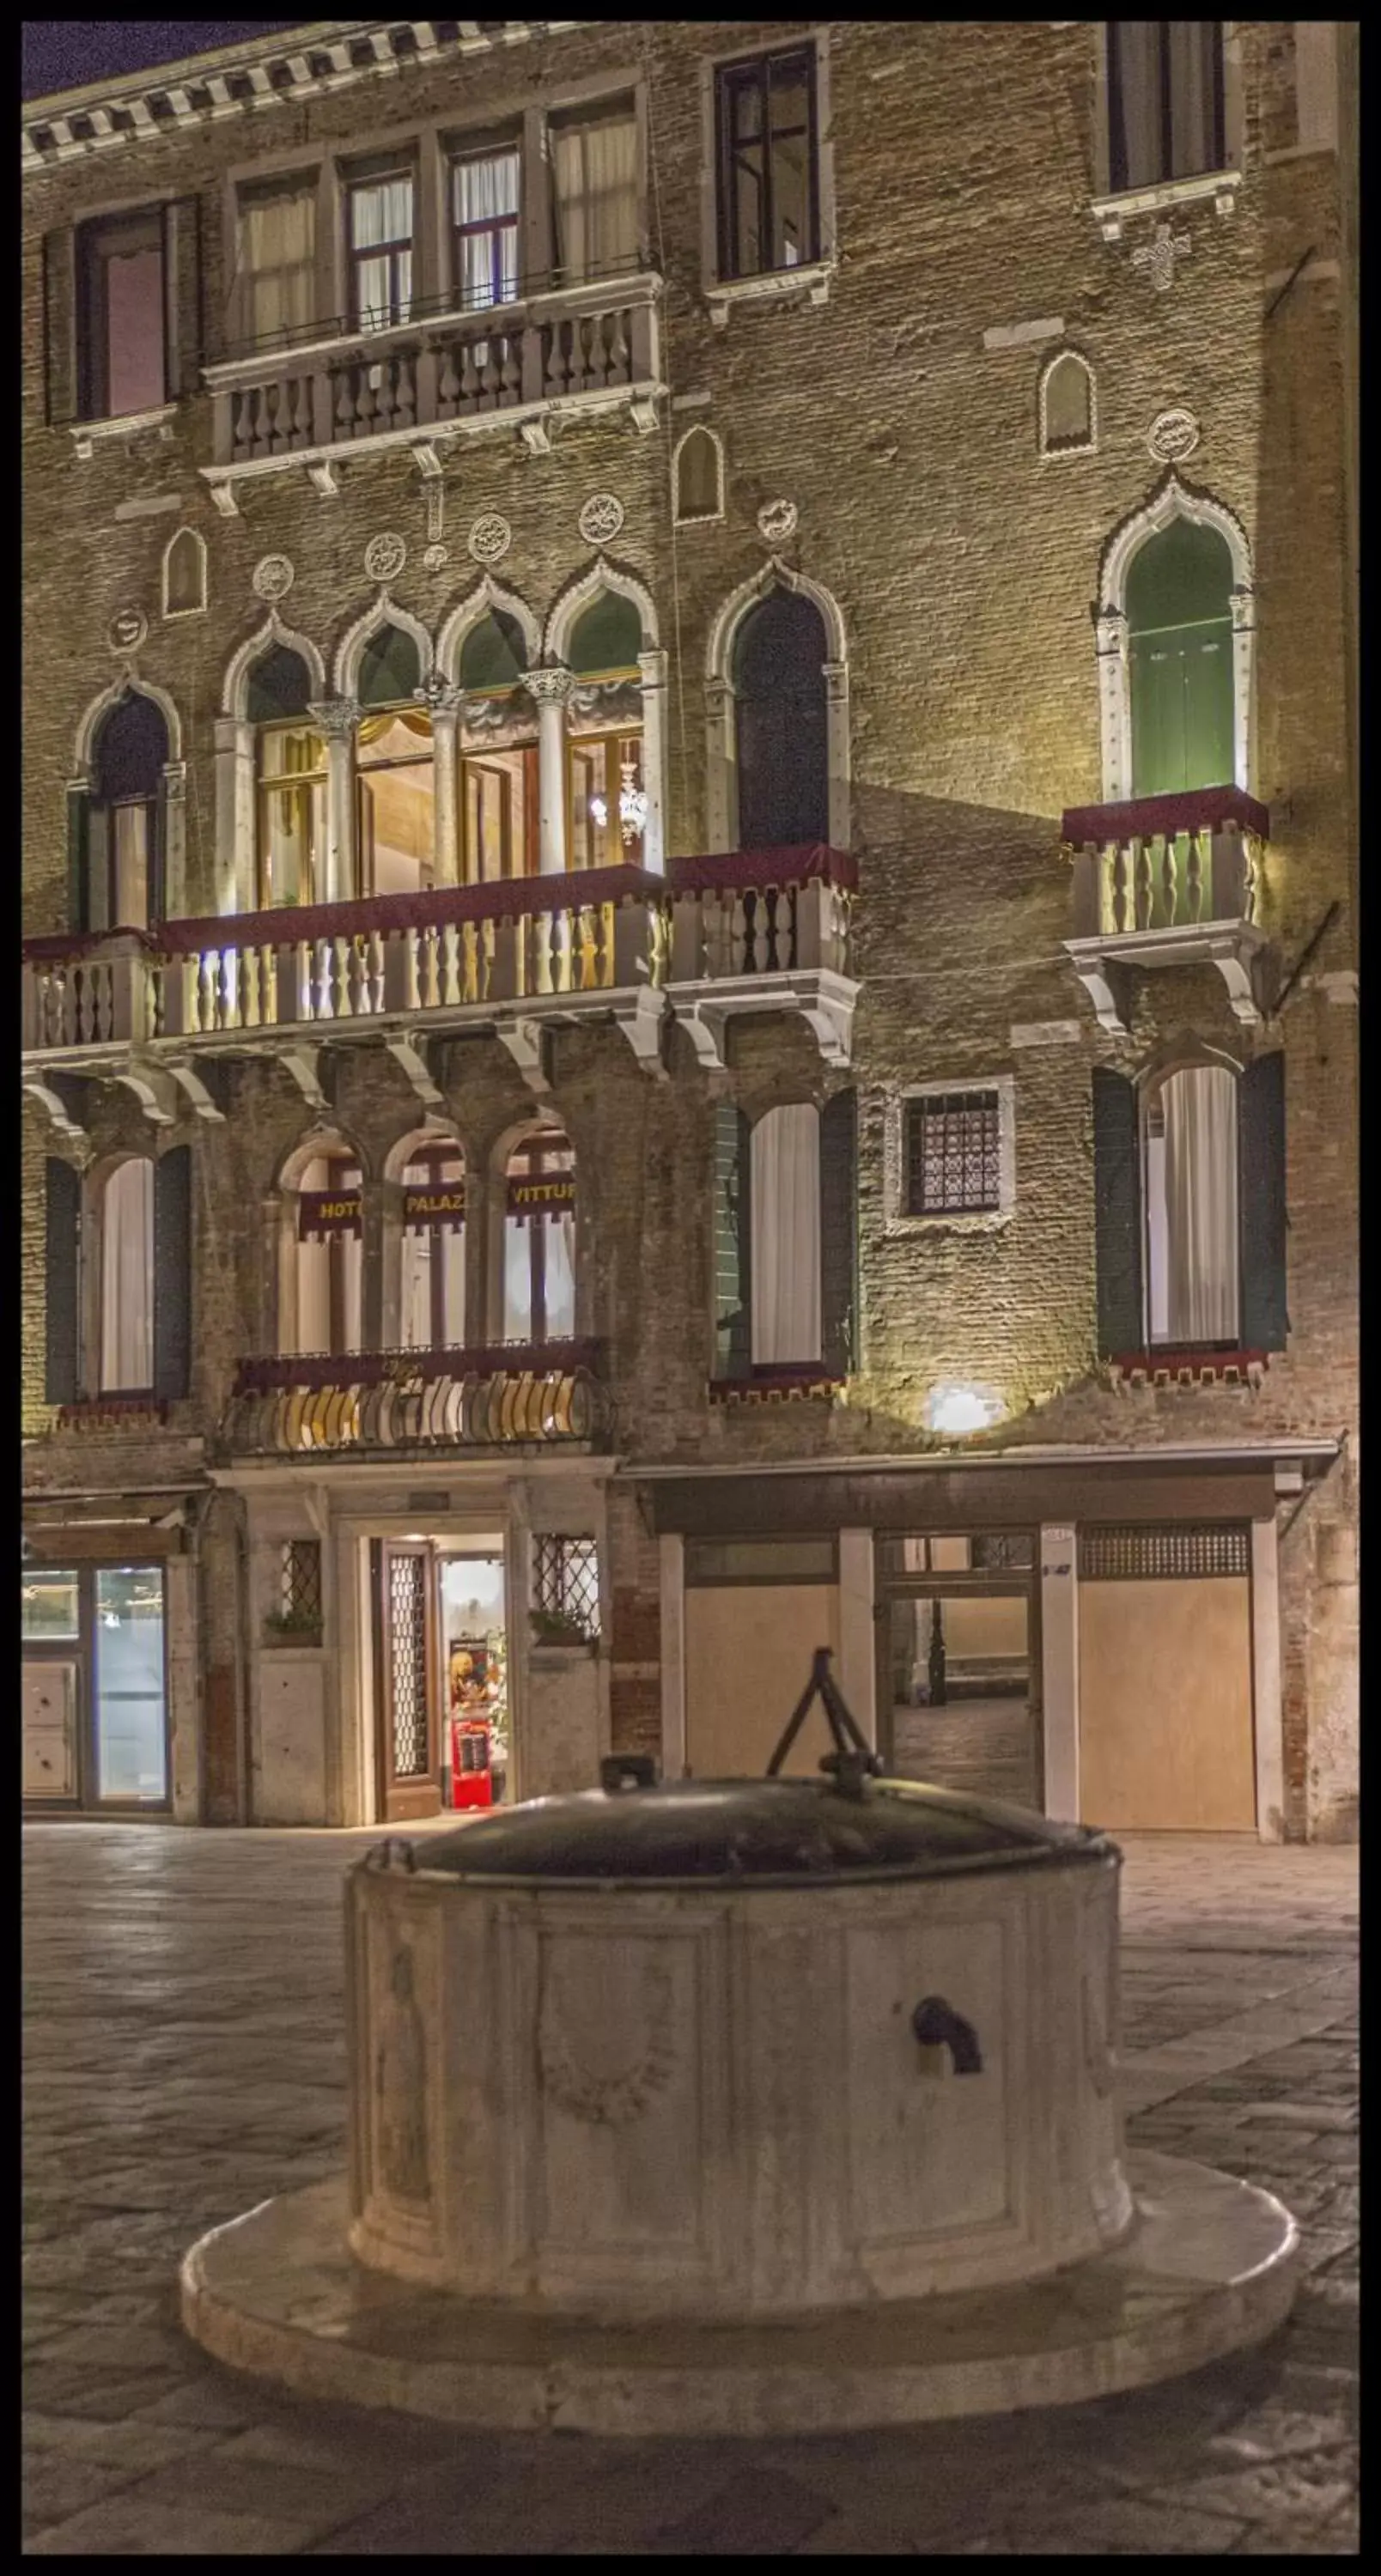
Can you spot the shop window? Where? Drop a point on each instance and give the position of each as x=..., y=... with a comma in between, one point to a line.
x=786, y=1237
x=128, y=1685
x=499, y=787
x=780, y=715
x=324, y=1313
x=122, y=321
x=379, y=222
x=1066, y=405
x=1190, y=1209
x=594, y=175
x=485, y=201
x=952, y=1154
x=275, y=244
x=1165, y=100
x=118, y=857
x=127, y=1278
x=184, y=574
x=539, y=1240
x=565, y=1590
x=432, y=1249
x=1180, y=653
x=698, y=477
x=290, y=766
x=768, y=182
x=606, y=793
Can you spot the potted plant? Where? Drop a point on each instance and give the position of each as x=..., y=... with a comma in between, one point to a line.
x=557, y=1628
x=292, y=1628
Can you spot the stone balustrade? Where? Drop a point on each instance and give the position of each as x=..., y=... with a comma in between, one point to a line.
x=506, y=1395
x=1168, y=881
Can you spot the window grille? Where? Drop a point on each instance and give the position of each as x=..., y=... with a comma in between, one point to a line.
x=1134, y=1554
x=300, y=1583
x=953, y=1157
x=565, y=1583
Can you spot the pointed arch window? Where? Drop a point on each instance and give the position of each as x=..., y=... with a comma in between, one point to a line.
x=290, y=764
x=396, y=768
x=121, y=857
x=783, y=749
x=432, y=1249
x=606, y=790
x=326, y=1306
x=499, y=784
x=1067, y=414
x=698, y=477
x=1180, y=660
x=126, y=1235
x=539, y=1239
x=184, y=574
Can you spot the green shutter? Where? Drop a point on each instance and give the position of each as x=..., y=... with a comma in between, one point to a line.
x=1261, y=1199
x=78, y=906
x=183, y=295
x=59, y=338
x=1117, y=1213
x=62, y=1282
x=172, y=1272
x=1179, y=616
x=839, y=1232
x=733, y=1287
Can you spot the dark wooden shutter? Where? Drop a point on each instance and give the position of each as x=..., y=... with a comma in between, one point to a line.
x=839, y=1232
x=1261, y=1195
x=733, y=1267
x=1117, y=1213
x=62, y=1282
x=78, y=899
x=183, y=297
x=59, y=336
x=172, y=1272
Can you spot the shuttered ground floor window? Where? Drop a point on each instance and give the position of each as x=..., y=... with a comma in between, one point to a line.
x=94, y=1686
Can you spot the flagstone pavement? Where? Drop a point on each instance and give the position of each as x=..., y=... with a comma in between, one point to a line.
x=184, y=2059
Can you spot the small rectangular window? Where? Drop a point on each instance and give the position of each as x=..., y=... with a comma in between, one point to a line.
x=759, y=1560
x=299, y=1584
x=768, y=174
x=49, y=1606
x=953, y=1154
x=594, y=169
x=484, y=219
x=565, y=1589
x=380, y=248
x=122, y=322
x=275, y=252
x=1165, y=100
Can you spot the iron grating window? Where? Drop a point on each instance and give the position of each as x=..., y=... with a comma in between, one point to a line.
x=1148, y=1554
x=300, y=1582
x=953, y=1154
x=565, y=1583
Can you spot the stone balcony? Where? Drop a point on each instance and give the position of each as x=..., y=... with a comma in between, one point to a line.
x=568, y=353
x=511, y=1395
x=1168, y=881
x=714, y=938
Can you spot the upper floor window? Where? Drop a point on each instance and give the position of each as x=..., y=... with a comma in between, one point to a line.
x=484, y=218
x=607, y=800
x=783, y=753
x=122, y=317
x=785, y=1242
x=952, y=1154
x=768, y=176
x=324, y=1311
x=1190, y=1227
x=539, y=1240
x=127, y=1277
x=594, y=170
x=119, y=886
x=291, y=781
x=1180, y=660
x=275, y=244
x=1192, y=1286
x=1165, y=100
x=379, y=236
x=499, y=789
x=432, y=1283
x=396, y=769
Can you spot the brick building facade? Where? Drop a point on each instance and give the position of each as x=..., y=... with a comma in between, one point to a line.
x=784, y=568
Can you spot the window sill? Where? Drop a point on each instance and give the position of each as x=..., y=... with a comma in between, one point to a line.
x=1111, y=213
x=88, y=435
x=1174, y=1368
x=950, y=1221
x=95, y=1412
x=773, y=1385
x=812, y=279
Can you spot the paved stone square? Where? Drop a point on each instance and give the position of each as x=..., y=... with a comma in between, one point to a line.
x=184, y=2058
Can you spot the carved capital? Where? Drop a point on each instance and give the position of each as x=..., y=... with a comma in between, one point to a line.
x=443, y=700
x=550, y=685
x=336, y=718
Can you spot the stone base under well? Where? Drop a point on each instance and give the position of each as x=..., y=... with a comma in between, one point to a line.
x=1211, y=2266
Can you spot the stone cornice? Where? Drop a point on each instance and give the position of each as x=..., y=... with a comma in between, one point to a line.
x=237, y=80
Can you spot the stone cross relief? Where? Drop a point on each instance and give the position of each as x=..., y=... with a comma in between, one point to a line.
x=1158, y=256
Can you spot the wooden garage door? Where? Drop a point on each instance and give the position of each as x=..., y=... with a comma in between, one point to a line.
x=748, y=1658
x=1165, y=1680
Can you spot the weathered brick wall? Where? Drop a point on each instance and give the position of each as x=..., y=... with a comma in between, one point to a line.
x=965, y=567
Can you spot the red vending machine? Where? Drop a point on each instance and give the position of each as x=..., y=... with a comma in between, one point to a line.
x=473, y=1678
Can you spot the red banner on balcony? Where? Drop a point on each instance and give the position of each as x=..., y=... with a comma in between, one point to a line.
x=442, y=1205
x=323, y=1212
x=534, y=1198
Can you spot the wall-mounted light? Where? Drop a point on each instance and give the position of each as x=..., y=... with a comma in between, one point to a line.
x=958, y=1409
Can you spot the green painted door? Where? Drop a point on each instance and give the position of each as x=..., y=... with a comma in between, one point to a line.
x=1180, y=620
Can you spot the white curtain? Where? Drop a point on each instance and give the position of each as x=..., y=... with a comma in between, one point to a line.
x=277, y=261
x=131, y=867
x=784, y=1157
x=517, y=1282
x=559, y=1276
x=382, y=212
x=419, y=1252
x=595, y=183
x=1202, y=1296
x=1192, y=43
x=127, y=1277
x=1138, y=43
x=485, y=192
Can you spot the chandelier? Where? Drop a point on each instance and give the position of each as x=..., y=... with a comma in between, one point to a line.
x=632, y=803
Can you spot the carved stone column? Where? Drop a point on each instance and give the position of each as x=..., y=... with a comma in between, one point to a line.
x=1114, y=709
x=721, y=775
x=175, y=840
x=335, y=719
x=653, y=667
x=235, y=888
x=838, y=751
x=444, y=702
x=550, y=688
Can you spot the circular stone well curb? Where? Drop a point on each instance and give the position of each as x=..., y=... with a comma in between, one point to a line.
x=1209, y=2267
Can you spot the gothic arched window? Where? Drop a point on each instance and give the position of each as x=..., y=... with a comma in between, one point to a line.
x=783, y=759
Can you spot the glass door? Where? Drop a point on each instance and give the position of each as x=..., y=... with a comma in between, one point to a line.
x=129, y=1696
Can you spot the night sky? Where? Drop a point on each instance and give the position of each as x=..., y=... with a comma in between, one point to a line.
x=67, y=53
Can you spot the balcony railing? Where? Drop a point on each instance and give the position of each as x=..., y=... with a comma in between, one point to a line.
x=746, y=925
x=508, y=1395
x=582, y=346
x=1168, y=881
